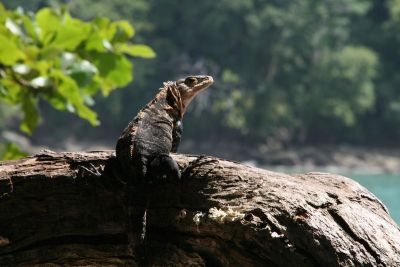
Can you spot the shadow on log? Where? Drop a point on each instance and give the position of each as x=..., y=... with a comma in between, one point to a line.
x=70, y=209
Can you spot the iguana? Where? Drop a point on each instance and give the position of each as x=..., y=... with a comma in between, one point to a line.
x=144, y=146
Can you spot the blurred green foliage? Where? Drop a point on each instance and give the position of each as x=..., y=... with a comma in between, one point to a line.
x=11, y=151
x=299, y=71
x=62, y=60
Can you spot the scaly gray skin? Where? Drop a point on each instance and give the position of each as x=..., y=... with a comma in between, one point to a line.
x=144, y=146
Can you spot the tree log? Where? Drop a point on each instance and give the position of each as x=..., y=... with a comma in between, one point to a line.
x=72, y=209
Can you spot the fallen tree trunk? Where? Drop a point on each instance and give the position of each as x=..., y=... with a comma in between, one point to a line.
x=72, y=209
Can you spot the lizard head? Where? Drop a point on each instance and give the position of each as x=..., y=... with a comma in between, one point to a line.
x=191, y=86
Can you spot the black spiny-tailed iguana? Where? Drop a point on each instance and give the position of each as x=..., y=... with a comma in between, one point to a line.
x=143, y=148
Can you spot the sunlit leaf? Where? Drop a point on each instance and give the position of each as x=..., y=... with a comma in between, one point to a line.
x=49, y=22
x=3, y=90
x=9, y=52
x=126, y=26
x=69, y=89
x=2, y=9
x=50, y=53
x=107, y=45
x=21, y=69
x=101, y=22
x=13, y=27
x=123, y=32
x=40, y=82
x=89, y=100
x=67, y=59
x=137, y=50
x=13, y=89
x=95, y=43
x=56, y=100
x=116, y=70
x=31, y=114
x=70, y=34
x=86, y=113
x=31, y=52
x=82, y=72
x=30, y=28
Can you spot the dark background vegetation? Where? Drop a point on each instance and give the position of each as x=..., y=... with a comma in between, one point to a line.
x=291, y=72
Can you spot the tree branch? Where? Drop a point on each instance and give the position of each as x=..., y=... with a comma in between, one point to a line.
x=72, y=209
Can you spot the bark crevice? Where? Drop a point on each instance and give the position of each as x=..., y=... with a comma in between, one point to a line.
x=344, y=225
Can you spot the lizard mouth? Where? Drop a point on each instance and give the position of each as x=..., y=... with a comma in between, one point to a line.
x=201, y=83
x=204, y=82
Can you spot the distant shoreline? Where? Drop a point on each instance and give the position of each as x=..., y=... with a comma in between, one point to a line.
x=334, y=159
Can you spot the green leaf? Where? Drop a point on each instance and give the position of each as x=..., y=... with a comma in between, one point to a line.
x=21, y=69
x=31, y=114
x=84, y=66
x=9, y=52
x=56, y=100
x=115, y=70
x=126, y=27
x=123, y=31
x=71, y=34
x=101, y=22
x=3, y=91
x=89, y=100
x=86, y=113
x=31, y=52
x=50, y=53
x=40, y=82
x=69, y=89
x=137, y=50
x=67, y=60
x=30, y=28
x=12, y=151
x=95, y=43
x=12, y=94
x=82, y=72
x=13, y=27
x=2, y=9
x=49, y=22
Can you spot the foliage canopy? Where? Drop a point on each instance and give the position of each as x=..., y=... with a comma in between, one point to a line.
x=62, y=60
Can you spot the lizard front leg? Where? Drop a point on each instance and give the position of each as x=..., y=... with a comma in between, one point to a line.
x=176, y=135
x=163, y=167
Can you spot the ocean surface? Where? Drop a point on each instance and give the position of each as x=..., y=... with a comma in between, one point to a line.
x=385, y=186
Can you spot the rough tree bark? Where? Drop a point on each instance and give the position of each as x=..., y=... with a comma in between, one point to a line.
x=71, y=209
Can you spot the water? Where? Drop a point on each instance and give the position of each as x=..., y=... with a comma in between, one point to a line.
x=386, y=187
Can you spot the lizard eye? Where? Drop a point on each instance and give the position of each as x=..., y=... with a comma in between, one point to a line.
x=190, y=81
